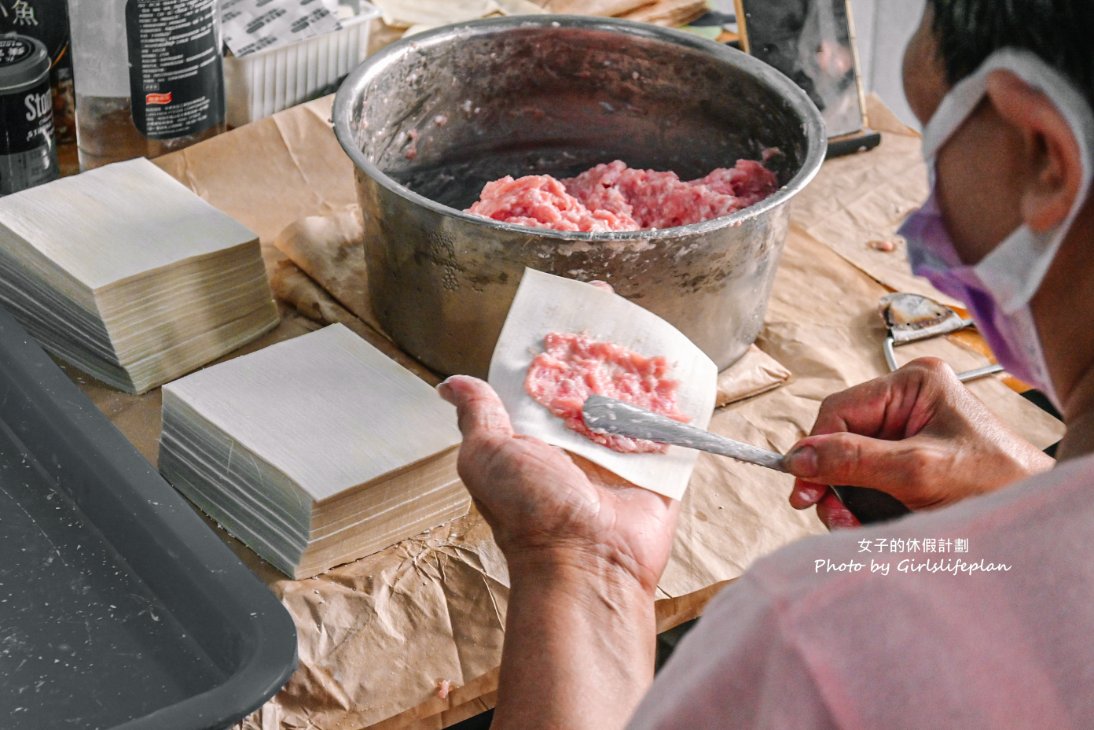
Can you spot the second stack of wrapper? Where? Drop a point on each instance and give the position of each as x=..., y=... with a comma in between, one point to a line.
x=314, y=451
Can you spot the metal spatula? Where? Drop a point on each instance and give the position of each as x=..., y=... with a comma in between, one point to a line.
x=608, y=415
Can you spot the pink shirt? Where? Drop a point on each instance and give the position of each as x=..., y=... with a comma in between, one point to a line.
x=799, y=642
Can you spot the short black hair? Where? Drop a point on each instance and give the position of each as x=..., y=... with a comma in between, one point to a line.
x=1059, y=31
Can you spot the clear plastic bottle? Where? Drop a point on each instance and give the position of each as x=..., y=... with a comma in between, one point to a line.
x=149, y=76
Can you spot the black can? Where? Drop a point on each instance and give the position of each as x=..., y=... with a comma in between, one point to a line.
x=28, y=153
x=47, y=20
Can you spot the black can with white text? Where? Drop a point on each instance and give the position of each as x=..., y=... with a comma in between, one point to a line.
x=28, y=153
x=47, y=21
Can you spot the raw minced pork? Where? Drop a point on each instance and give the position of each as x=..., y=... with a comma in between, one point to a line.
x=574, y=366
x=614, y=197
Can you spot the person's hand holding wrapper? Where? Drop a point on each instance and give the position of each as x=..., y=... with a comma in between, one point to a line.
x=585, y=551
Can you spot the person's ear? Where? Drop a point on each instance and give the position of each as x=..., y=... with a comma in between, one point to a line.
x=1050, y=153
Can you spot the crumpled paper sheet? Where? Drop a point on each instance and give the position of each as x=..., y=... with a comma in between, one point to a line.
x=377, y=635
x=407, y=617
x=330, y=250
x=870, y=196
x=755, y=373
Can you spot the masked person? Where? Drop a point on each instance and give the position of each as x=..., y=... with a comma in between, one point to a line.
x=1005, y=91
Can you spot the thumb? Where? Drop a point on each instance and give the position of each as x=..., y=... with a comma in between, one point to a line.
x=897, y=467
x=480, y=412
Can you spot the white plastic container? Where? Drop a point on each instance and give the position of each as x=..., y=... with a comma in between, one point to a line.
x=265, y=82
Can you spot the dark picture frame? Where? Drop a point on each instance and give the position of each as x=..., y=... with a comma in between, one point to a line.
x=813, y=43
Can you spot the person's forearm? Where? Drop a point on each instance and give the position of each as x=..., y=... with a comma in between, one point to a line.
x=579, y=646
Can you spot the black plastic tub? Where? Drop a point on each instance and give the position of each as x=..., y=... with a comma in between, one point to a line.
x=119, y=606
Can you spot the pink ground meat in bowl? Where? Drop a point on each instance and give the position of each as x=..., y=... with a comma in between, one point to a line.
x=615, y=197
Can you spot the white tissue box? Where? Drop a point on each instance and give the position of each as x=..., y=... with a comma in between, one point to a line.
x=268, y=81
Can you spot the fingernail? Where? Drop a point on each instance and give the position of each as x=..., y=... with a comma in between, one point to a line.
x=444, y=389
x=802, y=462
x=810, y=493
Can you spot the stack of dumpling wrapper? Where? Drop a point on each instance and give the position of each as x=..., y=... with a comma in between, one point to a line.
x=130, y=276
x=314, y=451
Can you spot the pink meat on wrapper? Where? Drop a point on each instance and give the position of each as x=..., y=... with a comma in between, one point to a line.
x=573, y=366
x=614, y=197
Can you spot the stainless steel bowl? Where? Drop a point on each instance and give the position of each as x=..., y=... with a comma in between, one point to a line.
x=432, y=118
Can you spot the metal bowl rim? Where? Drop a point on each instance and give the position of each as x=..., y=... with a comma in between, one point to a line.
x=363, y=74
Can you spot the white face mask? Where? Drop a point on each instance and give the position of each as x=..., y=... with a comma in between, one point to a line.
x=998, y=289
